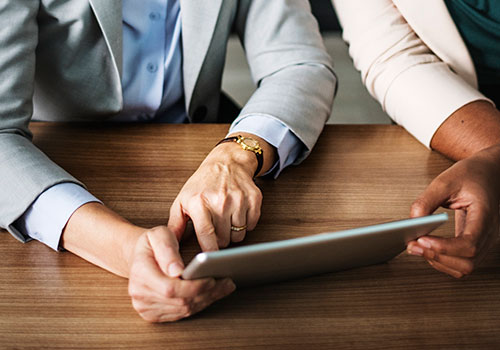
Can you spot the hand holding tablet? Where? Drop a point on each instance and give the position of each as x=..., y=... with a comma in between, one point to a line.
x=312, y=255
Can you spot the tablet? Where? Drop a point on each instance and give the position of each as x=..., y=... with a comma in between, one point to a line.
x=311, y=255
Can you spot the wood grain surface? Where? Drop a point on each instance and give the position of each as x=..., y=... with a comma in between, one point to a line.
x=357, y=175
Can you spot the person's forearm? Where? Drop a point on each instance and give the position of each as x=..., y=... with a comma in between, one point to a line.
x=470, y=129
x=102, y=237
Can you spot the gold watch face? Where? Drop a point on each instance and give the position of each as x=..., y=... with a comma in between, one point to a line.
x=250, y=143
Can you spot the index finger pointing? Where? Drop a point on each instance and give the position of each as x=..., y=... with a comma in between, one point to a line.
x=435, y=195
x=177, y=220
x=204, y=227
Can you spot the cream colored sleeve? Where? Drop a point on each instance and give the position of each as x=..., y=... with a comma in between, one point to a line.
x=412, y=84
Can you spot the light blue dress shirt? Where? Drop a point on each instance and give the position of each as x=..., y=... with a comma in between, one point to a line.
x=152, y=91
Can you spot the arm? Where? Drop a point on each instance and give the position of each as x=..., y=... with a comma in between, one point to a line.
x=472, y=128
x=26, y=171
x=295, y=92
x=148, y=257
x=439, y=108
x=46, y=218
x=93, y=232
x=290, y=66
x=414, y=87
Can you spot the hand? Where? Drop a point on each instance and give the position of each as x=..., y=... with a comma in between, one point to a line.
x=149, y=258
x=220, y=194
x=158, y=294
x=471, y=187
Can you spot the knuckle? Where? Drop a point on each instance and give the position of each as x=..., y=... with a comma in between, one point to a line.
x=169, y=291
x=207, y=230
x=196, y=201
x=257, y=195
x=257, y=211
x=139, y=307
x=201, y=286
x=253, y=218
x=238, y=198
x=150, y=318
x=184, y=302
x=185, y=310
x=417, y=207
x=134, y=293
x=431, y=255
x=135, y=286
x=157, y=229
x=176, y=317
x=471, y=250
x=434, y=256
x=255, y=202
x=468, y=268
x=442, y=182
x=440, y=249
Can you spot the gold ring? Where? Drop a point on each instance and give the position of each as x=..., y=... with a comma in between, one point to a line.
x=238, y=228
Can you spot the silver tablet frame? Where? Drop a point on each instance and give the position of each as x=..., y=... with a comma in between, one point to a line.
x=312, y=255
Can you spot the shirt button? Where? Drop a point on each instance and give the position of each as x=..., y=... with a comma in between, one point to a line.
x=154, y=16
x=152, y=68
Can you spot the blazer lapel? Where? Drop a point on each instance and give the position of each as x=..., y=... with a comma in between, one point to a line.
x=109, y=17
x=199, y=19
x=432, y=22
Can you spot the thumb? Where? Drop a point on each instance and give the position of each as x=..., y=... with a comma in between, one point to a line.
x=177, y=220
x=434, y=196
x=165, y=248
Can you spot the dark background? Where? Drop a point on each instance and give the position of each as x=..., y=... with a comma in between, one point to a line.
x=323, y=10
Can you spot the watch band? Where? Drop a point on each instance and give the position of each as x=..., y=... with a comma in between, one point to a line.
x=256, y=150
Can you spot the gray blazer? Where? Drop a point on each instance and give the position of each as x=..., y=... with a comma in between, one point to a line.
x=62, y=61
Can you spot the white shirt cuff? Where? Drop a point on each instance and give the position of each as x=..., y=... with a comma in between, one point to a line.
x=46, y=218
x=276, y=134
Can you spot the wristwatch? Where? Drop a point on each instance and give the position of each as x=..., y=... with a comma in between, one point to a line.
x=248, y=144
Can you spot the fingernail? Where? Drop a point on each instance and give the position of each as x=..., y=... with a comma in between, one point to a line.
x=416, y=250
x=175, y=269
x=424, y=242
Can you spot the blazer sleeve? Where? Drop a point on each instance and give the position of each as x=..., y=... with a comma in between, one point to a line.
x=289, y=64
x=416, y=88
x=25, y=171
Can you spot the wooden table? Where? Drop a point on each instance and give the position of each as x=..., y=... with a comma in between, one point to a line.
x=357, y=175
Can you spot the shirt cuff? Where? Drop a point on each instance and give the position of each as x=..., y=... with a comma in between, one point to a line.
x=46, y=218
x=275, y=133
